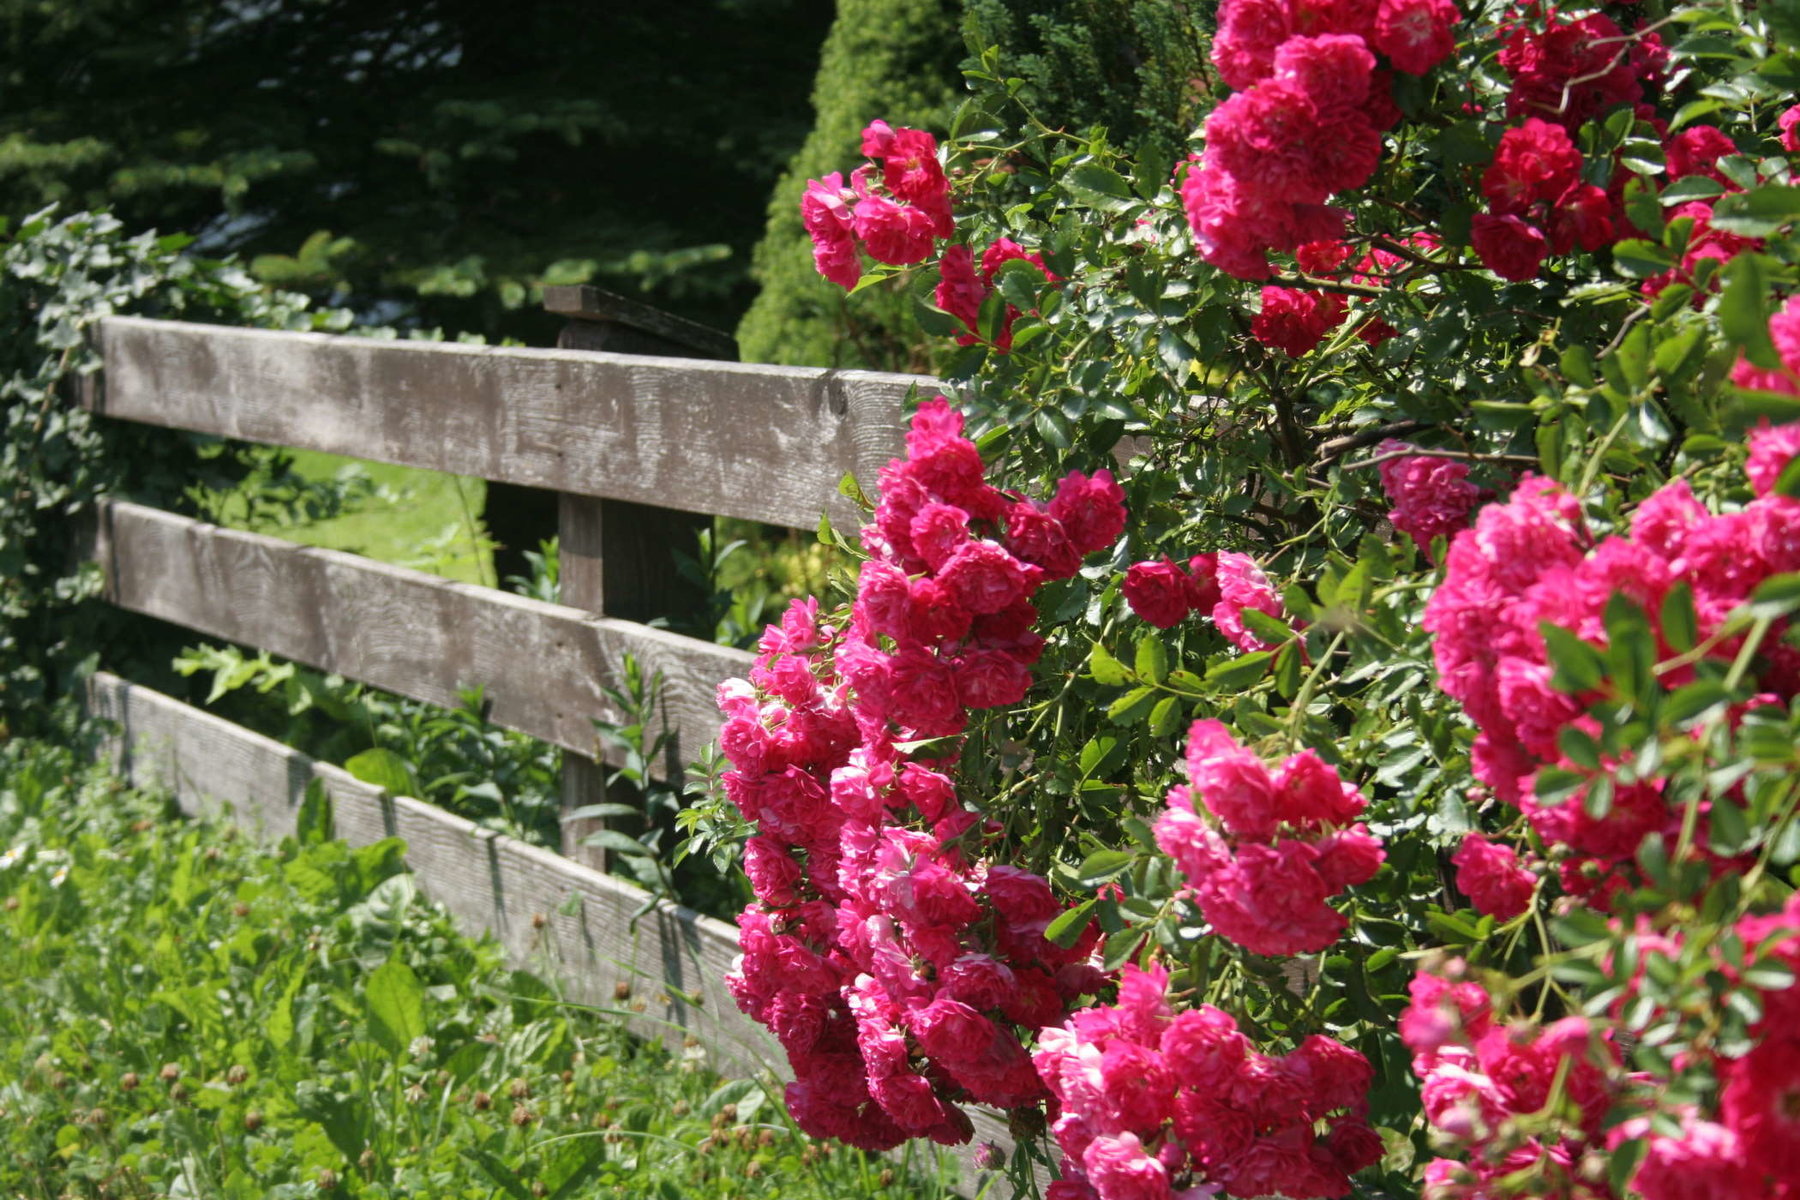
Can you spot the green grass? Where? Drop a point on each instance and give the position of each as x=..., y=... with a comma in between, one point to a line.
x=416, y=518
x=185, y=1013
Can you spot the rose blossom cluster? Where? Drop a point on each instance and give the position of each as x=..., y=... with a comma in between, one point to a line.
x=961, y=290
x=1296, y=320
x=895, y=214
x=1306, y=121
x=1486, y=1085
x=896, y=967
x=1222, y=585
x=1432, y=496
x=1565, y=71
x=1537, y=203
x=1480, y=1078
x=1530, y=561
x=1747, y=1143
x=1569, y=69
x=1278, y=845
x=1154, y=1104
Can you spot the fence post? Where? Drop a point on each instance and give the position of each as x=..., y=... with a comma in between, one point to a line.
x=617, y=557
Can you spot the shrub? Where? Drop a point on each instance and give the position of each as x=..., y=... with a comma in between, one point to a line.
x=1419, y=763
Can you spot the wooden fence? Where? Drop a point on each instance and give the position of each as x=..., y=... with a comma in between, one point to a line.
x=632, y=445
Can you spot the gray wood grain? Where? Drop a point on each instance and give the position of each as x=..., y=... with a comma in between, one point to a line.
x=543, y=667
x=597, y=308
x=593, y=934
x=759, y=442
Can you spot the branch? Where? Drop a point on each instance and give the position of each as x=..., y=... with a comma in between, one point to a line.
x=1336, y=448
x=1459, y=455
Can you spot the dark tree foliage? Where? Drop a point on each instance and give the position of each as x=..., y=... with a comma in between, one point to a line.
x=1136, y=67
x=444, y=154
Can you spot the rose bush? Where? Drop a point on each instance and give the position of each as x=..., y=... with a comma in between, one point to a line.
x=1389, y=780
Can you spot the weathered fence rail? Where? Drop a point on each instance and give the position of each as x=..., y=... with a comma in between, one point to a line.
x=543, y=667
x=626, y=440
x=734, y=439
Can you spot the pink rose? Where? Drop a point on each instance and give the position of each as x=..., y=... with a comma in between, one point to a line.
x=983, y=577
x=1242, y=585
x=1490, y=875
x=893, y=233
x=1121, y=1169
x=1788, y=122
x=1416, y=35
x=1091, y=510
x=1036, y=537
x=1508, y=246
x=1159, y=592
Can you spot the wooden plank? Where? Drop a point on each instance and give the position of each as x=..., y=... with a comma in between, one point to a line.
x=564, y=920
x=585, y=303
x=760, y=442
x=543, y=667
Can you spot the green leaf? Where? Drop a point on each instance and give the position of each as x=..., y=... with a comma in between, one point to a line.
x=617, y=842
x=1106, y=669
x=1095, y=185
x=1165, y=716
x=1577, y=666
x=1019, y=280
x=395, y=1003
x=935, y=321
x=1743, y=310
x=386, y=770
x=1052, y=426
x=1636, y=258
x=1694, y=701
x=1067, y=928
x=1287, y=670
x=1102, y=865
x=1121, y=948
x=1132, y=707
x=870, y=279
x=1273, y=630
x=1553, y=785
x=1757, y=213
x=1239, y=671
x=1730, y=833
x=1775, y=597
x=1099, y=754
x=1691, y=187
x=1152, y=658
x=313, y=824
x=1788, y=482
